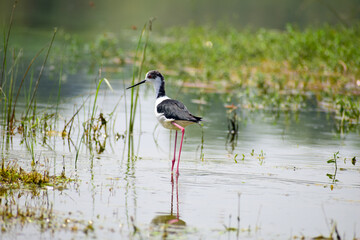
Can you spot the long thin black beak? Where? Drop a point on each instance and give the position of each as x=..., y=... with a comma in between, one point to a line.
x=136, y=84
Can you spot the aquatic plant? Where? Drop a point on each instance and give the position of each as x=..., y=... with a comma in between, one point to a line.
x=348, y=108
x=90, y=128
x=237, y=229
x=40, y=74
x=137, y=74
x=8, y=83
x=333, y=161
x=235, y=156
x=12, y=176
x=6, y=45
x=261, y=157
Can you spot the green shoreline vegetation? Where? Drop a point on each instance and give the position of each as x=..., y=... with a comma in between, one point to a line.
x=319, y=62
x=288, y=70
x=265, y=69
x=292, y=69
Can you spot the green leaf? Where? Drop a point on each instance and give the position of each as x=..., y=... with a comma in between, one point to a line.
x=108, y=84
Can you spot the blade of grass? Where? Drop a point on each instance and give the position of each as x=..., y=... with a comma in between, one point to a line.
x=6, y=44
x=92, y=118
x=72, y=118
x=134, y=100
x=108, y=84
x=40, y=74
x=22, y=82
x=10, y=92
x=59, y=92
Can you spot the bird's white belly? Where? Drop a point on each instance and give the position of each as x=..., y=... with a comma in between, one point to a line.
x=167, y=123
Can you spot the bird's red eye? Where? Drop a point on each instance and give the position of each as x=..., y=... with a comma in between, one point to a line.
x=150, y=76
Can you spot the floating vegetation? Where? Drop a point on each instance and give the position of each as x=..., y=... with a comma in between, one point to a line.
x=14, y=177
x=235, y=156
x=261, y=157
x=253, y=155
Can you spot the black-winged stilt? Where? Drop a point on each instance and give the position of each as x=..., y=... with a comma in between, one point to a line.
x=172, y=114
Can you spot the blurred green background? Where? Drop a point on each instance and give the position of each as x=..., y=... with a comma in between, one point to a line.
x=87, y=15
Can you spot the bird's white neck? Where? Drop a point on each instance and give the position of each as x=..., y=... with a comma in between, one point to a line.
x=159, y=86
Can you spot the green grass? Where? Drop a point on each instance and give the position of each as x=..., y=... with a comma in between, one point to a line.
x=267, y=69
x=263, y=69
x=140, y=55
x=310, y=59
x=14, y=177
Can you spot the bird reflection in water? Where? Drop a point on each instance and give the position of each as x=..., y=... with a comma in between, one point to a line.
x=169, y=224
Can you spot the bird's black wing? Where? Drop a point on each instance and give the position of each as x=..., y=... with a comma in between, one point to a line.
x=173, y=109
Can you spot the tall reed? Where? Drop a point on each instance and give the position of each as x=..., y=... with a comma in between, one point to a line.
x=12, y=119
x=7, y=88
x=41, y=72
x=137, y=73
x=6, y=44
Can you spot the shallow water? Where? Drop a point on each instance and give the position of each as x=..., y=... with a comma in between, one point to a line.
x=280, y=189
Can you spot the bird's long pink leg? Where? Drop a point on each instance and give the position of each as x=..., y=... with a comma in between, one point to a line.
x=182, y=138
x=173, y=161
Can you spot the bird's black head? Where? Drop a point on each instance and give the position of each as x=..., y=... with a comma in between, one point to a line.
x=157, y=79
x=153, y=74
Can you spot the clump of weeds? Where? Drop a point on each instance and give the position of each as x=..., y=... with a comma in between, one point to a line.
x=14, y=177
x=348, y=112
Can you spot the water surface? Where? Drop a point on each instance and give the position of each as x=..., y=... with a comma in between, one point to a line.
x=279, y=189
